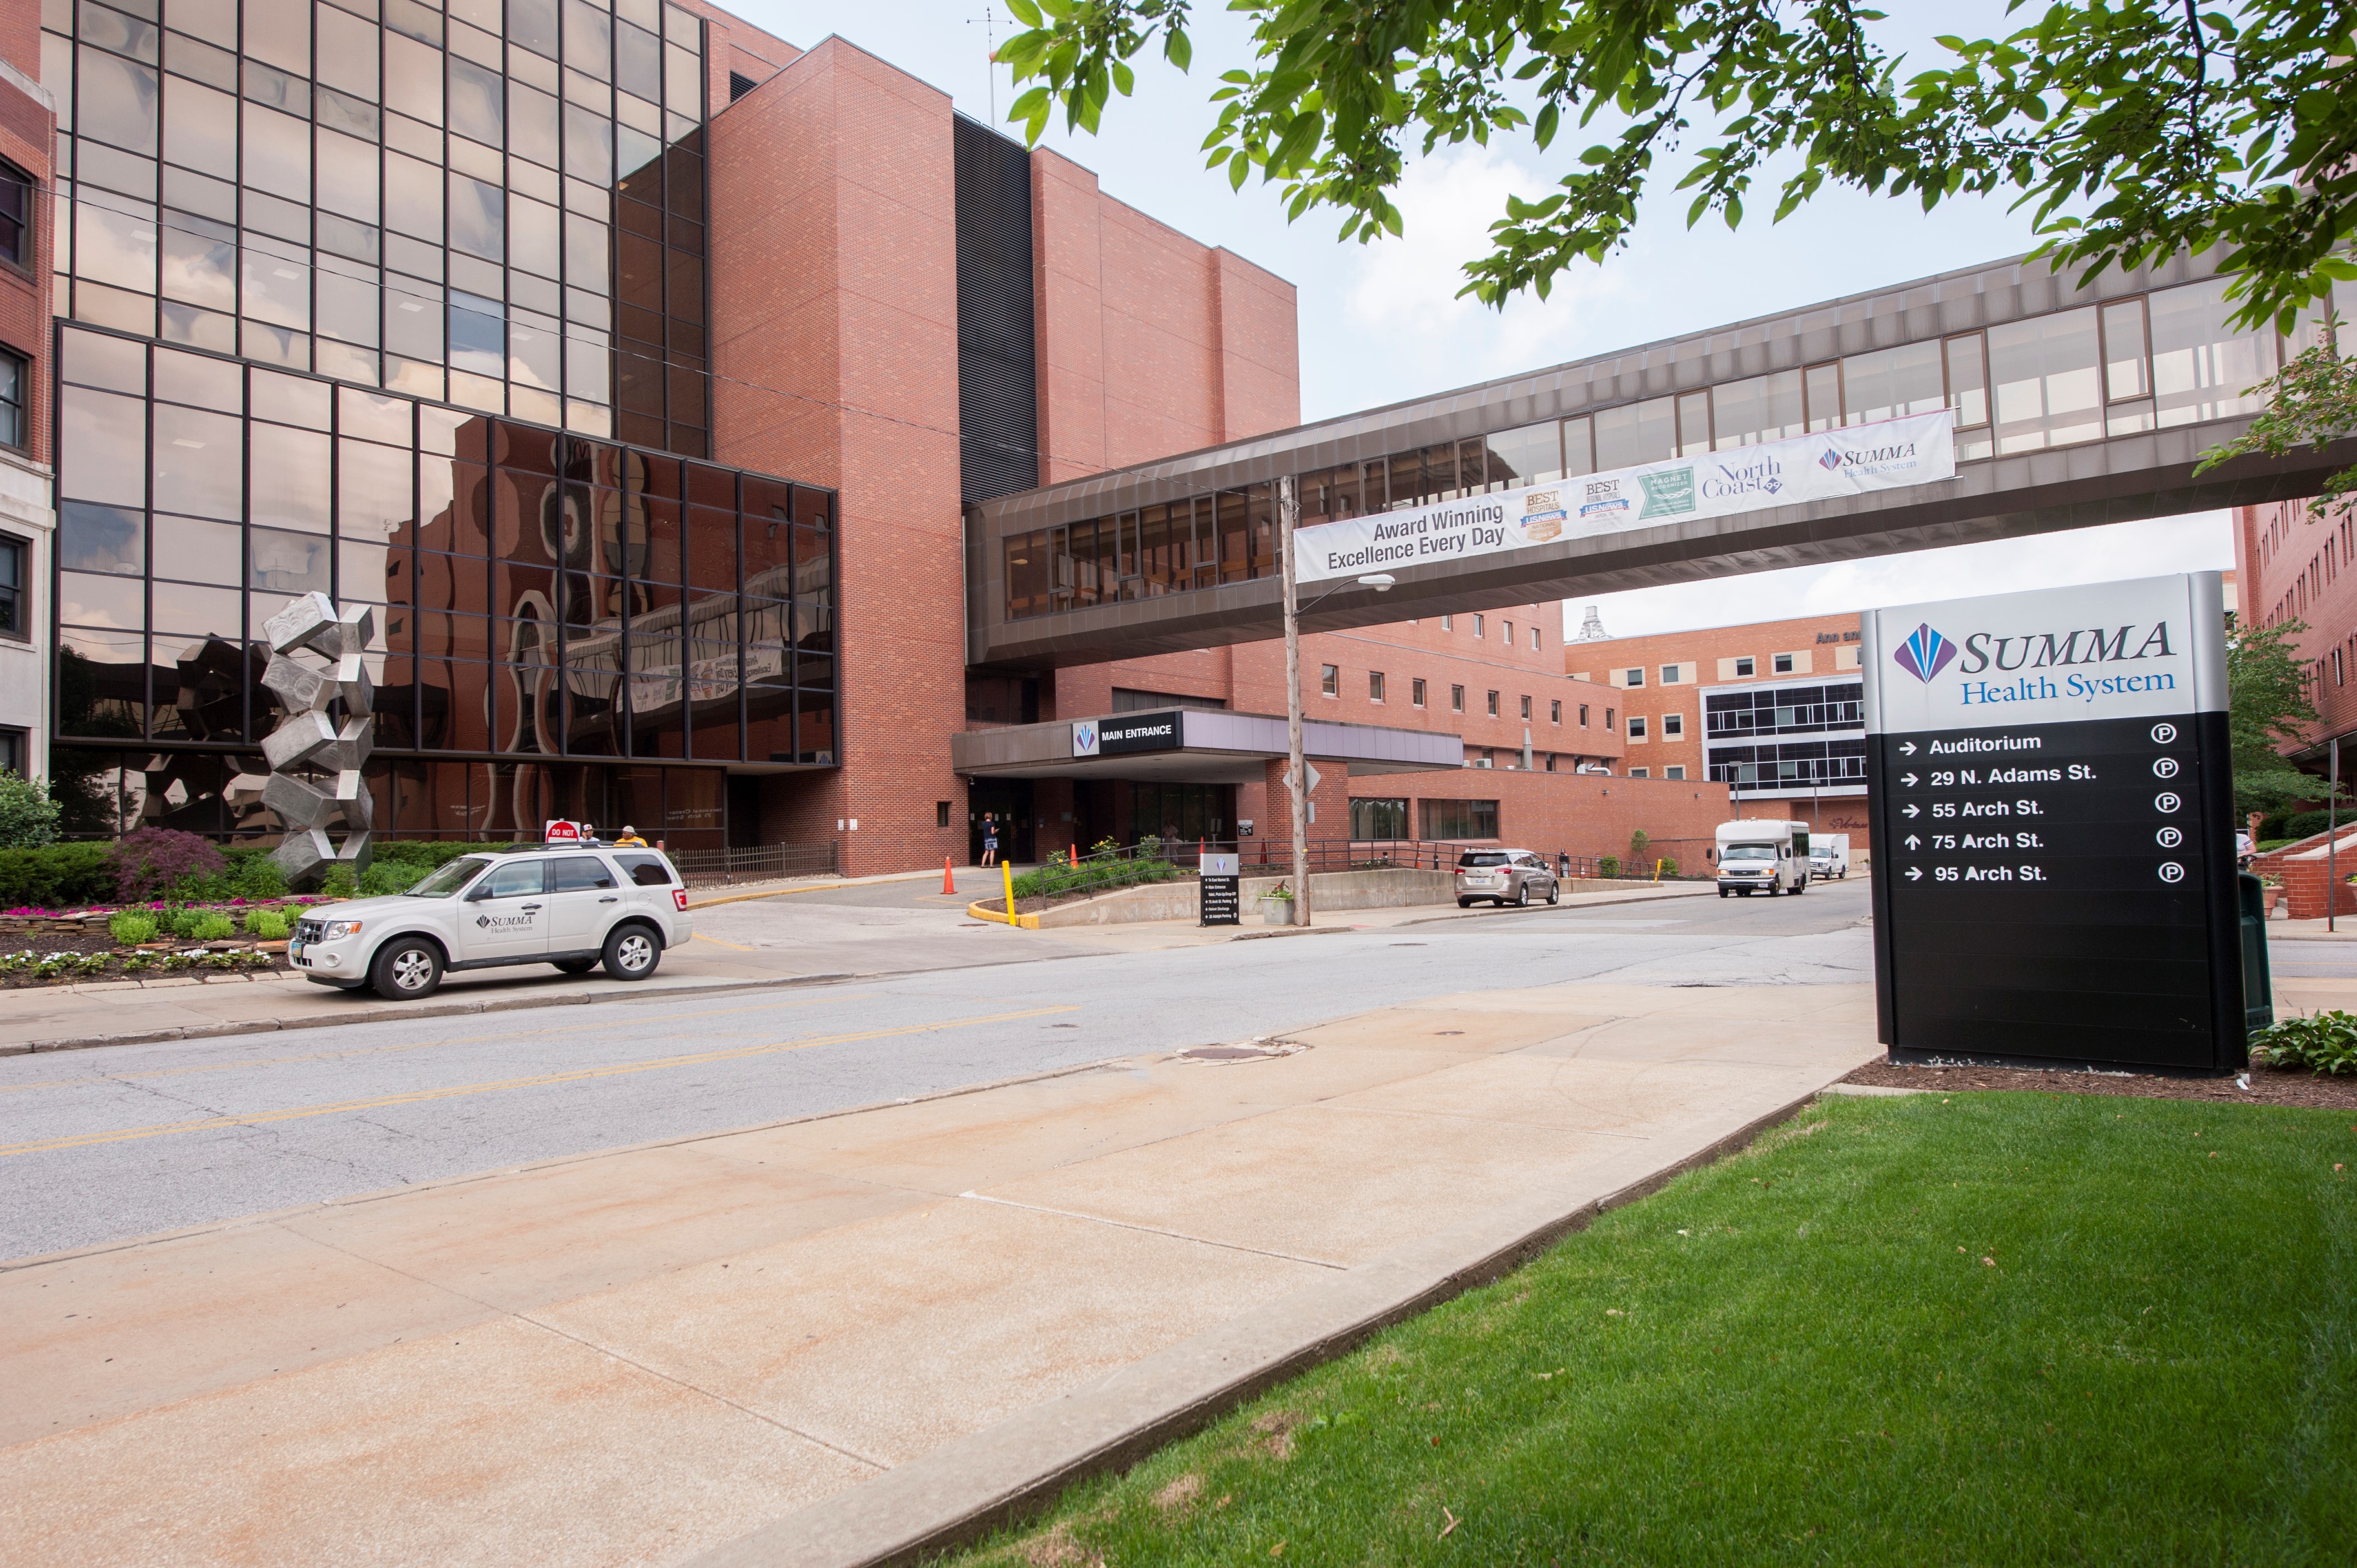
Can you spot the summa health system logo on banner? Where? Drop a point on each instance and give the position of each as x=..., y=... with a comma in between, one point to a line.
x=2031, y=656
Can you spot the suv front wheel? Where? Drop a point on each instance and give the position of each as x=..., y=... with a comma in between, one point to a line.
x=406, y=968
x=633, y=953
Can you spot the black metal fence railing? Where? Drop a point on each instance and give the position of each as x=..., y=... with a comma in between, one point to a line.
x=758, y=863
x=1114, y=867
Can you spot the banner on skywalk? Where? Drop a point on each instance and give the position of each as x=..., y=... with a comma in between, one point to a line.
x=1891, y=454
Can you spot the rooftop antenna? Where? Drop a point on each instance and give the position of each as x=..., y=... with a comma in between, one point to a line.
x=1592, y=628
x=989, y=20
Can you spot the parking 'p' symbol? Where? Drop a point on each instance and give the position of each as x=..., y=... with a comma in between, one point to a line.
x=2165, y=768
x=2166, y=802
x=2171, y=872
x=2163, y=734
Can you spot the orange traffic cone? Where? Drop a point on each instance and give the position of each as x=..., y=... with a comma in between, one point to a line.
x=949, y=885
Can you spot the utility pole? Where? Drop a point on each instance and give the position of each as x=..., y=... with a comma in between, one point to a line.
x=1289, y=513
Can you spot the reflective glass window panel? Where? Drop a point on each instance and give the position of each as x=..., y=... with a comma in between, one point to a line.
x=102, y=445
x=2124, y=350
x=412, y=197
x=347, y=309
x=1635, y=433
x=372, y=483
x=275, y=289
x=638, y=61
x=587, y=40
x=188, y=610
x=95, y=359
x=93, y=599
x=115, y=247
x=1968, y=379
x=1820, y=389
x=347, y=177
x=277, y=154
x=533, y=124
x=290, y=477
x=532, y=24
x=348, y=53
x=682, y=83
x=102, y=539
x=588, y=146
x=1578, y=446
x=110, y=29
x=199, y=127
x=477, y=99
x=291, y=399
x=1891, y=383
x=197, y=268
x=534, y=356
x=191, y=550
x=413, y=320
x=1762, y=408
x=115, y=101
x=374, y=417
x=478, y=334
x=290, y=563
x=199, y=457
x=412, y=79
x=2048, y=391
x=477, y=218
x=2201, y=369
x=279, y=31
x=587, y=249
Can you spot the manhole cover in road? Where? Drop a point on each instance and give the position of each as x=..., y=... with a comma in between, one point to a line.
x=1411, y=944
x=1449, y=1031
x=1258, y=1050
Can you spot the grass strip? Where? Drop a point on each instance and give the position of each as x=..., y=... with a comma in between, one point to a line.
x=1978, y=1328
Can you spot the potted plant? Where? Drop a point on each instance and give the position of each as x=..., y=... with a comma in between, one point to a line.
x=1276, y=906
x=2271, y=890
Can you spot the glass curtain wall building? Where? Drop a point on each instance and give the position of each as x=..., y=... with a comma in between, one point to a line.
x=566, y=627
x=406, y=304
x=501, y=208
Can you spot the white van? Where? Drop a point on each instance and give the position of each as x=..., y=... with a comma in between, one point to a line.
x=1760, y=856
x=1828, y=857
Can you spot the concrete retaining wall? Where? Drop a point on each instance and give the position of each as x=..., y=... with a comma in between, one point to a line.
x=1329, y=891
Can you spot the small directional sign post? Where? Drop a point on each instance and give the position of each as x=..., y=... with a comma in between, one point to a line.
x=1220, y=884
x=2053, y=817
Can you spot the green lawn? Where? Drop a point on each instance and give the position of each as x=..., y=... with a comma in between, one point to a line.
x=1991, y=1328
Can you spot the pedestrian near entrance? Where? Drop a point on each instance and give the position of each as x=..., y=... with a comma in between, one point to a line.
x=989, y=841
x=630, y=839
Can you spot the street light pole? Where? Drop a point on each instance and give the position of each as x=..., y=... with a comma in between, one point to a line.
x=1288, y=514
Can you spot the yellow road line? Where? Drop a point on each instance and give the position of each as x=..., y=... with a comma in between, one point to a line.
x=704, y=937
x=578, y=1075
x=360, y=1051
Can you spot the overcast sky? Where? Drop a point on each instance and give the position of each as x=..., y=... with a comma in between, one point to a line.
x=1380, y=323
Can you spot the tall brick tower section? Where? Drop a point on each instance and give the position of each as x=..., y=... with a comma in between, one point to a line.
x=835, y=338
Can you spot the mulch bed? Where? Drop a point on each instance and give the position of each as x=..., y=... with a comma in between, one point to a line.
x=2268, y=1086
x=24, y=980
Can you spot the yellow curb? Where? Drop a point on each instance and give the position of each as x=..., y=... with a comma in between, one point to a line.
x=1025, y=922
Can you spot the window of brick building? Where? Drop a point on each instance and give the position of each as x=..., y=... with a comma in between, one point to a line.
x=16, y=215
x=1638, y=772
x=1672, y=725
x=1375, y=685
x=1535, y=640
x=1448, y=623
x=1479, y=624
x=1416, y=692
x=1673, y=772
x=14, y=751
x=1583, y=716
x=1508, y=638
x=1526, y=708
x=1329, y=679
x=1636, y=727
x=13, y=389
x=1493, y=704
x=1459, y=819
x=1608, y=718
x=1555, y=712
x=1632, y=679
x=1783, y=664
x=1669, y=674
x=941, y=813
x=1456, y=699
x=15, y=621
x=1746, y=666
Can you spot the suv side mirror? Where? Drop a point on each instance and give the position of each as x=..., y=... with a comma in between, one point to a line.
x=479, y=891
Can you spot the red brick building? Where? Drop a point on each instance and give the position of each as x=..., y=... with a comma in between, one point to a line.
x=1770, y=711
x=2289, y=566
x=28, y=517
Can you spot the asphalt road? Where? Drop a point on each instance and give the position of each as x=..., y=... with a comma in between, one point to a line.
x=104, y=1144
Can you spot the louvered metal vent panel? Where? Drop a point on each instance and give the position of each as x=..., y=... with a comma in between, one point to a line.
x=998, y=378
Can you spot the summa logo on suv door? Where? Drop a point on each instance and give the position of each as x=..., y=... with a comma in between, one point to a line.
x=503, y=922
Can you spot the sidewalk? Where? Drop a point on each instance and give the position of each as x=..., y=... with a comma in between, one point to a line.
x=737, y=949
x=838, y=1336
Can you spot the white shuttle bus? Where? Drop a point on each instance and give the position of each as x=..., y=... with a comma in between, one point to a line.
x=1768, y=857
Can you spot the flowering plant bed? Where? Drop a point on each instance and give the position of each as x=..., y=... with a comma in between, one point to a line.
x=32, y=967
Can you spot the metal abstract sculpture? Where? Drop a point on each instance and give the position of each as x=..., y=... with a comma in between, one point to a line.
x=316, y=755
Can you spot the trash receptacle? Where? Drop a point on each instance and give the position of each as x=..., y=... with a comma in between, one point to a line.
x=2258, y=987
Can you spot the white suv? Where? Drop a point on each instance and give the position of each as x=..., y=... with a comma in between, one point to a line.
x=574, y=906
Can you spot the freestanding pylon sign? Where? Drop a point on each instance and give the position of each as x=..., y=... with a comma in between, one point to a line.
x=2054, y=877
x=319, y=673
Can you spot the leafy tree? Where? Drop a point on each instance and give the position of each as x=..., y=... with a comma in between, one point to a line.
x=2131, y=129
x=28, y=817
x=2266, y=704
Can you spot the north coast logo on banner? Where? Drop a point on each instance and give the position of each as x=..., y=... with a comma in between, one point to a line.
x=1890, y=455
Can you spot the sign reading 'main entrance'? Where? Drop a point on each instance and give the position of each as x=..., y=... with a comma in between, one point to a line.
x=1855, y=459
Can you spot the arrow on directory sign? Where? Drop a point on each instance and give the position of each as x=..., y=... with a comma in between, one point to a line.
x=1914, y=873
x=1908, y=749
x=1914, y=810
x=1914, y=842
x=1907, y=780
